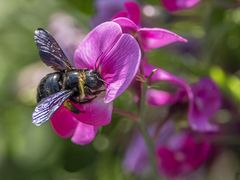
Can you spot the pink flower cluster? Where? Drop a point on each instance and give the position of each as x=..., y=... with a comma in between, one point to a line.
x=116, y=50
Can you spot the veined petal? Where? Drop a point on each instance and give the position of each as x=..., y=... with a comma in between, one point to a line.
x=159, y=98
x=84, y=134
x=63, y=122
x=151, y=38
x=96, y=44
x=126, y=24
x=120, y=66
x=174, y=5
x=96, y=113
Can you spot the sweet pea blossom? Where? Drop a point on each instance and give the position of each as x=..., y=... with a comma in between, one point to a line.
x=203, y=98
x=183, y=153
x=178, y=154
x=148, y=38
x=116, y=57
x=175, y=5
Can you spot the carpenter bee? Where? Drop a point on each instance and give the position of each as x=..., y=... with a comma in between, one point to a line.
x=66, y=83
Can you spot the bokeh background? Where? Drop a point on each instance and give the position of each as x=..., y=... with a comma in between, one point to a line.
x=37, y=153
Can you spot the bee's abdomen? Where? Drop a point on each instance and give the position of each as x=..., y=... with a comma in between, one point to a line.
x=50, y=84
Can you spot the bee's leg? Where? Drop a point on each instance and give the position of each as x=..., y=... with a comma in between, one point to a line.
x=90, y=92
x=67, y=104
x=87, y=100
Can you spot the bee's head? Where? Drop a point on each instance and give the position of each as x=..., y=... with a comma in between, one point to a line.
x=93, y=80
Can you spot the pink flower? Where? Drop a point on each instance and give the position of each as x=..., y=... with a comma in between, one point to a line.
x=177, y=153
x=183, y=153
x=175, y=5
x=203, y=98
x=206, y=102
x=148, y=38
x=116, y=56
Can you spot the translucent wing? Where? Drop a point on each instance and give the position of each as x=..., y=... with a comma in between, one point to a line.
x=49, y=50
x=48, y=106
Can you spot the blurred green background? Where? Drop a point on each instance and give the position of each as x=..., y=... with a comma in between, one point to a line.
x=36, y=153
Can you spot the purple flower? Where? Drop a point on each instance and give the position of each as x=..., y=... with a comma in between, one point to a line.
x=116, y=56
x=136, y=159
x=183, y=154
x=203, y=98
x=148, y=38
x=206, y=102
x=175, y=5
x=177, y=153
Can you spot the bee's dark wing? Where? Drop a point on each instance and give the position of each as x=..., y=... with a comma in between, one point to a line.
x=49, y=50
x=48, y=106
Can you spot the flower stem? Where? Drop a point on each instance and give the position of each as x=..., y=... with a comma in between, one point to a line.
x=144, y=131
x=127, y=114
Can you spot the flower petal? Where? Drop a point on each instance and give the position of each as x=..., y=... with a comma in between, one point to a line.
x=206, y=102
x=96, y=44
x=63, y=122
x=136, y=158
x=84, y=134
x=151, y=38
x=133, y=12
x=120, y=66
x=162, y=75
x=96, y=113
x=159, y=98
x=126, y=24
x=174, y=5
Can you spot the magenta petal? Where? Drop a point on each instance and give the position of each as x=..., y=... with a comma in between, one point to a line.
x=96, y=113
x=96, y=44
x=174, y=5
x=162, y=75
x=121, y=14
x=63, y=122
x=126, y=24
x=120, y=66
x=200, y=122
x=133, y=12
x=159, y=98
x=84, y=134
x=151, y=38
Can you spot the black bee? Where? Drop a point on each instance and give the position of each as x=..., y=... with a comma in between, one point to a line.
x=78, y=85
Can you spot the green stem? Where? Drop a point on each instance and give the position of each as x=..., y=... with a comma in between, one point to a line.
x=144, y=131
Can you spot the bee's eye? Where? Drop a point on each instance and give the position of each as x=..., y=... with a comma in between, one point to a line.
x=93, y=80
